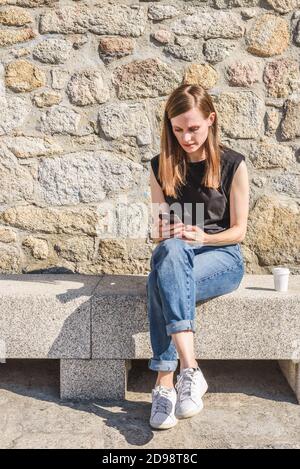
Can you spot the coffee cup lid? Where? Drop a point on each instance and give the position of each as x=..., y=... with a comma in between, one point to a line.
x=280, y=270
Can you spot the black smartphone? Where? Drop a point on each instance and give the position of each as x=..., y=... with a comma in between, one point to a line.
x=171, y=217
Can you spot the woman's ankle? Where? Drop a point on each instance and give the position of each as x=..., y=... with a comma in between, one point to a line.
x=188, y=365
x=168, y=386
x=167, y=382
x=165, y=378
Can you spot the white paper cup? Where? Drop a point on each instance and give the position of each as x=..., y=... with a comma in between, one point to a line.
x=281, y=278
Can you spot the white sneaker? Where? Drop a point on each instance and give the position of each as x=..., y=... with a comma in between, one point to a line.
x=191, y=386
x=163, y=407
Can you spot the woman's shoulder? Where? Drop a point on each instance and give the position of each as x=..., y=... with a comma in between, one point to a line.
x=230, y=156
x=154, y=161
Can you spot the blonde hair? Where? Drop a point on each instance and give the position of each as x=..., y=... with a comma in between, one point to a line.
x=172, y=168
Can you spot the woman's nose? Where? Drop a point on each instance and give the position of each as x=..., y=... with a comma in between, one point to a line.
x=186, y=138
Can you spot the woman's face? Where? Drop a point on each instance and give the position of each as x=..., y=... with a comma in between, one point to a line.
x=191, y=129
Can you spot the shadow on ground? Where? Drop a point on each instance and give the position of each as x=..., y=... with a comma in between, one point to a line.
x=249, y=404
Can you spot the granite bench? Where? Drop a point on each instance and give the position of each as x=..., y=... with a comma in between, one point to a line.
x=96, y=325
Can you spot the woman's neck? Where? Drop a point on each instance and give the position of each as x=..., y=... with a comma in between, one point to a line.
x=199, y=155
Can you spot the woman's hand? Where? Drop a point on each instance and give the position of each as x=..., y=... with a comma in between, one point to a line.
x=179, y=230
x=193, y=233
x=166, y=231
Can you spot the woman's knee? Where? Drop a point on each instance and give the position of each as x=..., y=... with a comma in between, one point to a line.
x=151, y=280
x=219, y=284
x=172, y=243
x=172, y=247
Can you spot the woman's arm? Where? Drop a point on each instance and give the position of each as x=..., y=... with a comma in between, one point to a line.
x=161, y=229
x=157, y=197
x=239, y=209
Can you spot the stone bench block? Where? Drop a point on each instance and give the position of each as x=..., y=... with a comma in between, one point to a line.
x=46, y=315
x=93, y=379
x=96, y=325
x=291, y=372
x=119, y=318
x=253, y=322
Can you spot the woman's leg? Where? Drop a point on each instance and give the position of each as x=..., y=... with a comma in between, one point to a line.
x=184, y=343
x=217, y=270
x=165, y=354
x=170, y=305
x=180, y=276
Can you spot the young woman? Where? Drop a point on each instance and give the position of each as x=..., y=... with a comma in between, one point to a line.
x=189, y=264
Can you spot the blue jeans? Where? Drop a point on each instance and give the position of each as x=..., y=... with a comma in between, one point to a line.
x=181, y=275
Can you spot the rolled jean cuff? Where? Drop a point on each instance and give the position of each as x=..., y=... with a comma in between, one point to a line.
x=178, y=326
x=162, y=365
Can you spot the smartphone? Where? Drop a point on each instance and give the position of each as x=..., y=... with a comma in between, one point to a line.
x=171, y=217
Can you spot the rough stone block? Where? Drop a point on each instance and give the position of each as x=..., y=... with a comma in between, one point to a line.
x=93, y=379
x=46, y=315
x=291, y=372
x=253, y=322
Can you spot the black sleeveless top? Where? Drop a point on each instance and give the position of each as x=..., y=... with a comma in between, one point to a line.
x=214, y=203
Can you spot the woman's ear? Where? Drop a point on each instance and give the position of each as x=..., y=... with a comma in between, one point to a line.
x=212, y=118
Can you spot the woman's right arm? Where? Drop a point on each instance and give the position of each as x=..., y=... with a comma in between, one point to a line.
x=158, y=201
x=162, y=229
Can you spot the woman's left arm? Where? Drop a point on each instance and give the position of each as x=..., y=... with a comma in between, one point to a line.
x=239, y=209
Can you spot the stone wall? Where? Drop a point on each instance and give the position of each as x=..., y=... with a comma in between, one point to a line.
x=82, y=89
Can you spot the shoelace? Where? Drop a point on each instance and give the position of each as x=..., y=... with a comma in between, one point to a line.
x=160, y=403
x=184, y=384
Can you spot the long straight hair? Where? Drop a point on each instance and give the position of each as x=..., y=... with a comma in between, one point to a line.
x=172, y=170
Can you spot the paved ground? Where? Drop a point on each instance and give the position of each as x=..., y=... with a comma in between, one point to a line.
x=249, y=405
